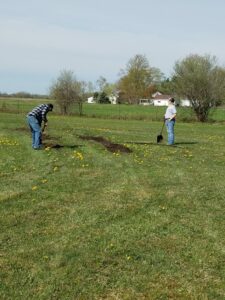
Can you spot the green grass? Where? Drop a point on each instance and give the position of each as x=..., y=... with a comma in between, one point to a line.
x=106, y=111
x=84, y=223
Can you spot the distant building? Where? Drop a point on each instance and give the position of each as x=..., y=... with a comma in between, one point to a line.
x=185, y=103
x=145, y=102
x=91, y=100
x=112, y=99
x=156, y=94
x=161, y=100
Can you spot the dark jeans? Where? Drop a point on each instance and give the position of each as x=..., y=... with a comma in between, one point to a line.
x=170, y=131
x=35, y=128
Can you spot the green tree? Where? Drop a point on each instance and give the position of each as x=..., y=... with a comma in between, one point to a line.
x=136, y=79
x=105, y=90
x=67, y=90
x=106, y=87
x=167, y=87
x=95, y=96
x=103, y=98
x=202, y=81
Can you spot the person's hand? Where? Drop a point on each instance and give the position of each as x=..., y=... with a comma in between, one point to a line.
x=44, y=126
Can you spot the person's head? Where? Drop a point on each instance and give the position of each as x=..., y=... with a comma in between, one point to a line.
x=172, y=100
x=50, y=106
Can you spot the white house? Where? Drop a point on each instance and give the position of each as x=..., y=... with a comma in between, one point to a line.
x=185, y=102
x=91, y=100
x=161, y=100
x=145, y=101
x=156, y=94
x=112, y=99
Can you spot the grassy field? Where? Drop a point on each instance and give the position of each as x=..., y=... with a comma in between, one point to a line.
x=81, y=222
x=124, y=112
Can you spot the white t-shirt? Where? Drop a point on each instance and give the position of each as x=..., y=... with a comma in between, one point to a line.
x=171, y=110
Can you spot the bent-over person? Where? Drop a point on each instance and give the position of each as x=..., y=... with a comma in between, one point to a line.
x=35, y=119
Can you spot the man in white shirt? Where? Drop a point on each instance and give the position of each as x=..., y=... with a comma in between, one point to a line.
x=170, y=116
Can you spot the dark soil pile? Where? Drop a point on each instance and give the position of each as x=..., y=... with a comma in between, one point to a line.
x=23, y=129
x=112, y=147
x=51, y=145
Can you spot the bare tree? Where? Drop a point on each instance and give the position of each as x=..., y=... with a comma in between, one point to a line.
x=101, y=84
x=202, y=81
x=67, y=90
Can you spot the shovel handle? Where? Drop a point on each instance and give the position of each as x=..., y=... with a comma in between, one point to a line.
x=162, y=127
x=43, y=129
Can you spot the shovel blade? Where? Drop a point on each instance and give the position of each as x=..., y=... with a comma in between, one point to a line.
x=159, y=138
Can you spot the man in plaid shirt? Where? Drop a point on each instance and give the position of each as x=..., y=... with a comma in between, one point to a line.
x=34, y=119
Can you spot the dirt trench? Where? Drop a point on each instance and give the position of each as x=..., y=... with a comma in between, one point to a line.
x=112, y=147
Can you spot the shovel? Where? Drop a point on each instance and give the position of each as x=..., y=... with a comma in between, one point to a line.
x=42, y=131
x=160, y=137
x=43, y=128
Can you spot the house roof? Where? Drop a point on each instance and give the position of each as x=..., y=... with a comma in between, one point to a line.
x=155, y=94
x=162, y=97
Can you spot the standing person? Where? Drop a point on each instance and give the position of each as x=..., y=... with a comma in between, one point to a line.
x=170, y=116
x=34, y=119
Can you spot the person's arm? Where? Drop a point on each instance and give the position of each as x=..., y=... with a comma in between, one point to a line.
x=44, y=115
x=174, y=114
x=173, y=117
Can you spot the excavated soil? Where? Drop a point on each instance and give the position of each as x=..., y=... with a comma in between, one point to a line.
x=52, y=145
x=112, y=147
x=23, y=129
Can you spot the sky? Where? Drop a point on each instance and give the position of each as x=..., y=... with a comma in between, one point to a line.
x=93, y=38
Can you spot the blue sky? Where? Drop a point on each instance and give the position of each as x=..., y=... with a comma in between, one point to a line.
x=94, y=38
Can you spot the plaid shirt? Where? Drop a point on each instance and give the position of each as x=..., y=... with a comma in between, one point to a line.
x=40, y=112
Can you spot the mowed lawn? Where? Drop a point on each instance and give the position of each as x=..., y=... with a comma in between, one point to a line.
x=81, y=222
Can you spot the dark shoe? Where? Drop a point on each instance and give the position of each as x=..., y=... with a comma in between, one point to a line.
x=39, y=148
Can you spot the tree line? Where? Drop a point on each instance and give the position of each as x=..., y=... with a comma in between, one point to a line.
x=198, y=78
x=24, y=95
